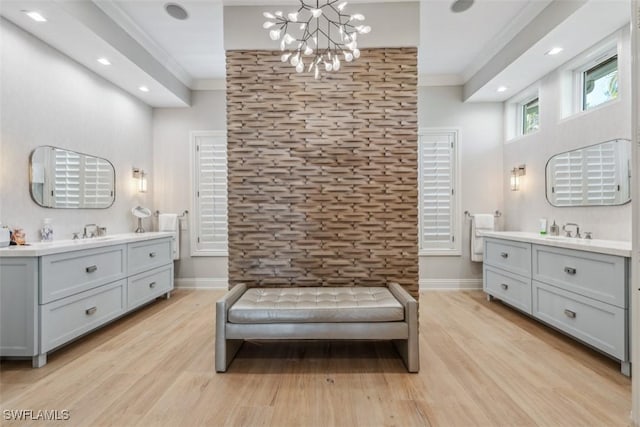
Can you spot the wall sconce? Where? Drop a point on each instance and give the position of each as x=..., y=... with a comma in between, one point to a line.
x=139, y=174
x=516, y=174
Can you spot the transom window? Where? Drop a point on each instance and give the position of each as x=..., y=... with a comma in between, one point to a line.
x=600, y=83
x=530, y=116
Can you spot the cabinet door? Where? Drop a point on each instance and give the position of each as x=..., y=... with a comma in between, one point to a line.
x=146, y=286
x=68, y=318
x=510, y=288
x=144, y=256
x=18, y=307
x=597, y=276
x=508, y=255
x=600, y=325
x=68, y=273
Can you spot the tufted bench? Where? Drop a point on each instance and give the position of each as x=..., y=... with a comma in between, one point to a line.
x=337, y=313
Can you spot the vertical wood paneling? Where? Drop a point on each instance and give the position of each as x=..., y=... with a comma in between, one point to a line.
x=323, y=173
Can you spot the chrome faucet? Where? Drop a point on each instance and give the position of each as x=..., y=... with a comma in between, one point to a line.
x=568, y=232
x=92, y=233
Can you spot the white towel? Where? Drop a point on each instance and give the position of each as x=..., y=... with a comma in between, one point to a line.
x=169, y=222
x=479, y=224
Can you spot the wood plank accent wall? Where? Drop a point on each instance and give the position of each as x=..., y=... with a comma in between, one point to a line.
x=323, y=173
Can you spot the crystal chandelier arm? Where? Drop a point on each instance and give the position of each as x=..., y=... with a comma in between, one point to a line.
x=320, y=21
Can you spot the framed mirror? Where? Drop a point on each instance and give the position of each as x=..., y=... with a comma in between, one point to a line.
x=66, y=179
x=597, y=175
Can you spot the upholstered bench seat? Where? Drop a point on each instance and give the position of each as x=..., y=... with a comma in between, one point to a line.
x=347, y=313
x=312, y=305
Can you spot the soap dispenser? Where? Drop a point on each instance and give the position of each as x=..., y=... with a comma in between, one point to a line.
x=46, y=231
x=554, y=230
x=5, y=236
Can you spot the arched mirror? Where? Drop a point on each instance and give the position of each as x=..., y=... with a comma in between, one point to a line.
x=598, y=175
x=66, y=179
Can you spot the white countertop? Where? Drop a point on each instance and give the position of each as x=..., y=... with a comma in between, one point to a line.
x=59, y=246
x=610, y=247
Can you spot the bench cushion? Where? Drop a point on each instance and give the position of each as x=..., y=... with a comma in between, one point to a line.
x=316, y=304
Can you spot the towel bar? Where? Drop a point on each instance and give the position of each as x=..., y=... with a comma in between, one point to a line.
x=183, y=215
x=469, y=215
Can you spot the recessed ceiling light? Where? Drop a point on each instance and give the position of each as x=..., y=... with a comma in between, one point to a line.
x=104, y=61
x=554, y=51
x=176, y=11
x=144, y=88
x=36, y=16
x=502, y=89
x=461, y=5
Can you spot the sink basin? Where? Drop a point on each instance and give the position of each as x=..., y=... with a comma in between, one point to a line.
x=560, y=238
x=94, y=239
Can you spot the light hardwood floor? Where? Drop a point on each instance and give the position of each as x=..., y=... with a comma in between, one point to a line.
x=481, y=364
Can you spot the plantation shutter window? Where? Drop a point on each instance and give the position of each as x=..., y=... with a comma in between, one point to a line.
x=96, y=191
x=589, y=176
x=438, y=198
x=67, y=168
x=209, y=233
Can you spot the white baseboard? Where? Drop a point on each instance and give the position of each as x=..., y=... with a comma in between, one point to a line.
x=449, y=284
x=201, y=283
x=425, y=284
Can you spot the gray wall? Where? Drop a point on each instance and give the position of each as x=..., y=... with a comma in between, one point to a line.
x=480, y=152
x=481, y=139
x=524, y=208
x=172, y=191
x=48, y=99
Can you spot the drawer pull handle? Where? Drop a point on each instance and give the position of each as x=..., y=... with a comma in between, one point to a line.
x=90, y=311
x=91, y=269
x=504, y=255
x=505, y=286
x=570, y=270
x=570, y=314
x=152, y=284
x=152, y=254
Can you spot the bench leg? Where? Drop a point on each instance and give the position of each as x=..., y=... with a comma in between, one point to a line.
x=225, y=352
x=409, y=353
x=226, y=349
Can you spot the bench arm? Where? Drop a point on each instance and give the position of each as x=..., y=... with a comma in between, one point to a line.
x=223, y=305
x=409, y=349
x=400, y=293
x=225, y=351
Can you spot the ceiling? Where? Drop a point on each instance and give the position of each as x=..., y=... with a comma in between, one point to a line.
x=148, y=47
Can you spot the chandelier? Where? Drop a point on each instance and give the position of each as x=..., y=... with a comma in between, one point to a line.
x=317, y=35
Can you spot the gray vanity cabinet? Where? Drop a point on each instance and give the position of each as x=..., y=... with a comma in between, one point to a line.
x=507, y=272
x=47, y=301
x=585, y=295
x=581, y=293
x=18, y=306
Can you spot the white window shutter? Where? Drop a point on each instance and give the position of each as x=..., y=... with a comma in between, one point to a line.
x=587, y=176
x=438, y=198
x=209, y=233
x=97, y=183
x=68, y=176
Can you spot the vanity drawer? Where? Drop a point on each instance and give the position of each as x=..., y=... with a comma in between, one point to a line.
x=598, y=276
x=144, y=287
x=68, y=273
x=508, y=255
x=71, y=317
x=149, y=254
x=510, y=288
x=598, y=324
